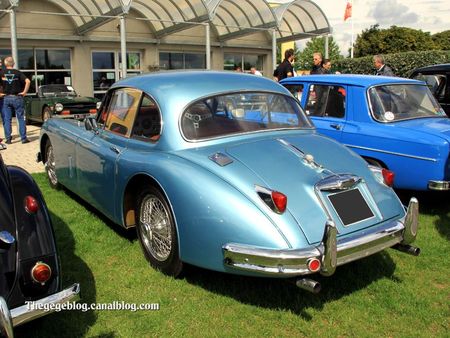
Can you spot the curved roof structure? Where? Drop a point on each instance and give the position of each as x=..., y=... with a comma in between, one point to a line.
x=300, y=19
x=293, y=20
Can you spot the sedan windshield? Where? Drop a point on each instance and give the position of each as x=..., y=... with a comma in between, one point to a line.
x=390, y=103
x=238, y=113
x=56, y=90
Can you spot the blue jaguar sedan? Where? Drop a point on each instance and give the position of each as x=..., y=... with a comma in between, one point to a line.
x=225, y=171
x=393, y=123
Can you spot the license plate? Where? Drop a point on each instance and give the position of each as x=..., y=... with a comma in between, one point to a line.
x=350, y=206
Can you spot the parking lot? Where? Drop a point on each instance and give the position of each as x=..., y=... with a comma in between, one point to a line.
x=23, y=155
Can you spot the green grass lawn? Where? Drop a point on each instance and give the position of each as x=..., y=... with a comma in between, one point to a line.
x=389, y=294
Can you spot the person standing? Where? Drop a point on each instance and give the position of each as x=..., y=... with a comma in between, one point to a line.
x=254, y=71
x=285, y=68
x=381, y=68
x=317, y=67
x=15, y=87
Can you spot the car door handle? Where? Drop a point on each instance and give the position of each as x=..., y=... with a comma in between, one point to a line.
x=336, y=126
x=117, y=151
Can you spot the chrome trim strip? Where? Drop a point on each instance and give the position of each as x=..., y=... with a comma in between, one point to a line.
x=6, y=327
x=23, y=314
x=293, y=262
x=439, y=185
x=393, y=153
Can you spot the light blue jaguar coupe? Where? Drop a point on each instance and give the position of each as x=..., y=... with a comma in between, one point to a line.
x=225, y=171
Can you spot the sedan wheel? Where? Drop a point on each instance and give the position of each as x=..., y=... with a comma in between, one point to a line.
x=157, y=233
x=50, y=166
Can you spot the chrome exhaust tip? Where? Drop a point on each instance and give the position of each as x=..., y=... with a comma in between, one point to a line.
x=409, y=249
x=308, y=285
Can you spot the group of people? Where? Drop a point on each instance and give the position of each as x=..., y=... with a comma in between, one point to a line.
x=14, y=86
x=322, y=66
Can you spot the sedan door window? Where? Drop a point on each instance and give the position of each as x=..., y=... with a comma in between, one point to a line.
x=326, y=100
x=122, y=110
x=147, y=126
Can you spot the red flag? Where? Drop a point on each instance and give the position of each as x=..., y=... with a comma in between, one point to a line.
x=348, y=11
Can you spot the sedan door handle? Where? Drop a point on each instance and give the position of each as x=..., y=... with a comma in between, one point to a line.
x=336, y=126
x=117, y=151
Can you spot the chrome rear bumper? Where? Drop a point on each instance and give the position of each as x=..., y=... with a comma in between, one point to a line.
x=439, y=185
x=331, y=252
x=26, y=313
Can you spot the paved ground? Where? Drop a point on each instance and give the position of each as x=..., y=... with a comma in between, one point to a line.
x=23, y=155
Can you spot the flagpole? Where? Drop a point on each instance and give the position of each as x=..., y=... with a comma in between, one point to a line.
x=351, y=50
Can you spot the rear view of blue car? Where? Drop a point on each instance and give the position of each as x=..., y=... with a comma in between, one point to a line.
x=393, y=123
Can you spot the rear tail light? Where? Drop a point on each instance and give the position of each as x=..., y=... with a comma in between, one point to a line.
x=314, y=265
x=41, y=273
x=388, y=177
x=280, y=201
x=275, y=200
x=383, y=175
x=65, y=112
x=93, y=111
x=31, y=205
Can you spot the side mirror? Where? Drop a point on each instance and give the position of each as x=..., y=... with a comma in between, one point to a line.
x=90, y=123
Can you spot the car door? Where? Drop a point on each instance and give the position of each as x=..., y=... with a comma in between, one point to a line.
x=98, y=153
x=326, y=106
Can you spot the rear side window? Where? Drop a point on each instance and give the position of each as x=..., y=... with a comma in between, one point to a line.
x=122, y=110
x=296, y=90
x=147, y=126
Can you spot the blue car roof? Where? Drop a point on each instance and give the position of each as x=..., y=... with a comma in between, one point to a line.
x=192, y=85
x=351, y=79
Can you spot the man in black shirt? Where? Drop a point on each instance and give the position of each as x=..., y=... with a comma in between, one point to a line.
x=15, y=87
x=285, y=68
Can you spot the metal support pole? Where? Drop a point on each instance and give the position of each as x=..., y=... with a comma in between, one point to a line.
x=12, y=22
x=123, y=46
x=274, y=50
x=208, y=46
x=326, y=47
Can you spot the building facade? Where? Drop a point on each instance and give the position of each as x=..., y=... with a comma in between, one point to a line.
x=82, y=42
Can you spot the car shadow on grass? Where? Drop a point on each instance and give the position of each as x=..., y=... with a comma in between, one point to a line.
x=282, y=294
x=74, y=323
x=433, y=203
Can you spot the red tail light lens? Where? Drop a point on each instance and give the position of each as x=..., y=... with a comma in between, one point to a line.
x=65, y=112
x=31, y=205
x=279, y=200
x=41, y=273
x=388, y=177
x=314, y=265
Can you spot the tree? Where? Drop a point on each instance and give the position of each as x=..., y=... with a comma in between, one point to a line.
x=304, y=58
x=442, y=40
x=392, y=40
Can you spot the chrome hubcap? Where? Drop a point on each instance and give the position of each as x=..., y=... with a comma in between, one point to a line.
x=50, y=166
x=155, y=227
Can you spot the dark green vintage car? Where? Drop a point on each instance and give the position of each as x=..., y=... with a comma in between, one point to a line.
x=58, y=100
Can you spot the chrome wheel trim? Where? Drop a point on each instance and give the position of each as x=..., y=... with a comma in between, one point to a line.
x=46, y=115
x=50, y=166
x=155, y=226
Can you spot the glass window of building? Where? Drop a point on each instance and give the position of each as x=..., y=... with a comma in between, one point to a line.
x=43, y=66
x=176, y=60
x=107, y=68
x=245, y=61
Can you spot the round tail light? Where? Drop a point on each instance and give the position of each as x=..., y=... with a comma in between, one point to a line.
x=41, y=273
x=314, y=265
x=31, y=205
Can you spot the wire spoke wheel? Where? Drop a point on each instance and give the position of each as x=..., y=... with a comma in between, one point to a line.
x=157, y=232
x=50, y=166
x=156, y=228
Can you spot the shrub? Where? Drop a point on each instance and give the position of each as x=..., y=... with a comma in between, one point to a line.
x=401, y=63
